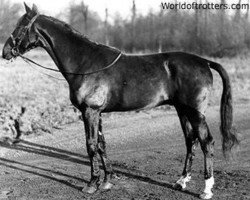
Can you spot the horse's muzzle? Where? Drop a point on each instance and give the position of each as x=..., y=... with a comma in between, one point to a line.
x=7, y=52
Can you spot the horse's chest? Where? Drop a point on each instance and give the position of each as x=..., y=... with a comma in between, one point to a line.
x=94, y=96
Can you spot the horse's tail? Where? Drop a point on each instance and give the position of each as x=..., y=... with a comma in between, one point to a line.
x=229, y=138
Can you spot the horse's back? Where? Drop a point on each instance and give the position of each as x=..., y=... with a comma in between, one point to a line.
x=146, y=81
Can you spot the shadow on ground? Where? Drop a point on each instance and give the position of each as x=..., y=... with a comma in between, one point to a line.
x=65, y=155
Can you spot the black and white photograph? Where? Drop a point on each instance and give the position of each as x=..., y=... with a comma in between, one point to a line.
x=124, y=100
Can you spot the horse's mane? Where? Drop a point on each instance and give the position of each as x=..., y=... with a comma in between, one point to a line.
x=76, y=33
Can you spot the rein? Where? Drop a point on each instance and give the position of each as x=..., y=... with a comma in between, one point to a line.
x=71, y=73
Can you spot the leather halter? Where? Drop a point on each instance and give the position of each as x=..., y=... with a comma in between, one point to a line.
x=15, y=49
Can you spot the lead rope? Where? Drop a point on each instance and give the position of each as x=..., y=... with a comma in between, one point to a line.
x=55, y=70
x=50, y=76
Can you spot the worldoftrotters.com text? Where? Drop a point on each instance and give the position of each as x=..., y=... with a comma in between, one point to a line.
x=206, y=6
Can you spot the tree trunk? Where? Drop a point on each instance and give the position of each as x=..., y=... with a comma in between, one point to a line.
x=106, y=27
x=84, y=10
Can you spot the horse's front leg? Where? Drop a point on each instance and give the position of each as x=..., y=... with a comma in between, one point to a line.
x=105, y=161
x=91, y=123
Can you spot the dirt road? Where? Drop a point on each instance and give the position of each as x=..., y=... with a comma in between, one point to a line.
x=147, y=150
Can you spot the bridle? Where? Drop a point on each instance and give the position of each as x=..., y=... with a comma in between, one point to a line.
x=15, y=51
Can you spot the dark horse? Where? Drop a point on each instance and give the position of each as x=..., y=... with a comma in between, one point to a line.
x=131, y=82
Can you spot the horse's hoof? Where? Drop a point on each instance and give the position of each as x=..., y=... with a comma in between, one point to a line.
x=106, y=186
x=206, y=195
x=178, y=186
x=89, y=189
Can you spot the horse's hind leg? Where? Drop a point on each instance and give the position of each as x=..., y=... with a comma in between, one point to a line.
x=191, y=144
x=200, y=128
x=104, y=158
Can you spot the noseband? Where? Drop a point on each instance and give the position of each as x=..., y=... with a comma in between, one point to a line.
x=15, y=49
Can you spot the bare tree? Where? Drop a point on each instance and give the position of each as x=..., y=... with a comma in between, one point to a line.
x=106, y=27
x=86, y=21
x=237, y=15
x=222, y=18
x=202, y=31
x=133, y=25
x=197, y=27
x=247, y=12
x=84, y=11
x=9, y=13
x=160, y=36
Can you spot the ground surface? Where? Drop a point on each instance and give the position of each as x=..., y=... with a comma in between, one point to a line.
x=147, y=151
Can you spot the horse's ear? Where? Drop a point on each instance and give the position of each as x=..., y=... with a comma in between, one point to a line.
x=27, y=8
x=34, y=8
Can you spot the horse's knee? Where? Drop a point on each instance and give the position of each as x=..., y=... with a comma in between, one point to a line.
x=101, y=143
x=91, y=149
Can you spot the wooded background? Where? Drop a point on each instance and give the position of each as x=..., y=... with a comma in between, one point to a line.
x=215, y=33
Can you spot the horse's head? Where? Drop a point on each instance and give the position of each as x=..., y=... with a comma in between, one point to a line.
x=24, y=37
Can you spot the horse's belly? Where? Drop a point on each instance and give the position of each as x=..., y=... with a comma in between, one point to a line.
x=137, y=98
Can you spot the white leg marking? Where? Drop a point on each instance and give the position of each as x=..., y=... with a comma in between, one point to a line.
x=207, y=194
x=183, y=180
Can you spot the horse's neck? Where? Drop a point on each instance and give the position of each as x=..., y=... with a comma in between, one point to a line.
x=70, y=51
